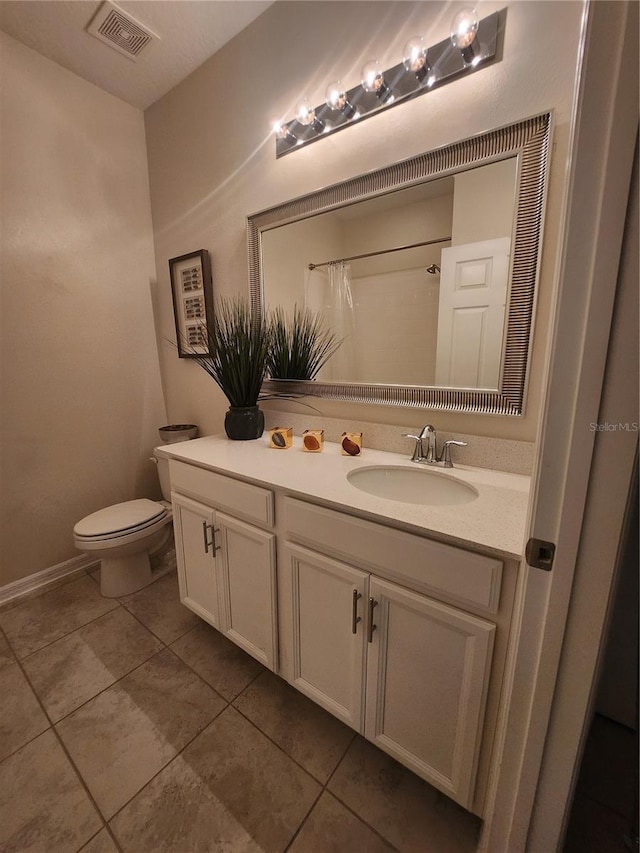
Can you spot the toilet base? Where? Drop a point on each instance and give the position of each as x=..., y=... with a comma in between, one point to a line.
x=124, y=575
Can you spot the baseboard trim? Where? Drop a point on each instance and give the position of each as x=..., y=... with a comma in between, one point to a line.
x=16, y=589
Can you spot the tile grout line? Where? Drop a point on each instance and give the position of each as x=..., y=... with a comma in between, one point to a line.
x=323, y=786
x=347, y=807
x=67, y=634
x=227, y=703
x=171, y=760
x=70, y=760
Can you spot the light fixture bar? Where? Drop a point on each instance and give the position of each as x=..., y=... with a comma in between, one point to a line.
x=446, y=63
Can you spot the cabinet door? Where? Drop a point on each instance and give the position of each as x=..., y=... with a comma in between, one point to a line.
x=427, y=675
x=248, y=587
x=328, y=632
x=196, y=557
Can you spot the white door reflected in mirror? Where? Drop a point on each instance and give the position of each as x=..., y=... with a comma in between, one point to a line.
x=471, y=313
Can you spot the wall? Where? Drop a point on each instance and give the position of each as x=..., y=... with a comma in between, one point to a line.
x=483, y=203
x=81, y=398
x=212, y=163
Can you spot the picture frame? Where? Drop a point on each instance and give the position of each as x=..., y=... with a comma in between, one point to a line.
x=192, y=292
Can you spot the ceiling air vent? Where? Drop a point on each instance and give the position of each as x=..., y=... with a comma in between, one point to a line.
x=120, y=31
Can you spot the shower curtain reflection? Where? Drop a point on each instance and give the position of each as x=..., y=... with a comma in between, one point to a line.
x=328, y=292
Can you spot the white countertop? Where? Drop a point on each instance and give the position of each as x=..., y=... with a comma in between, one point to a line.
x=494, y=521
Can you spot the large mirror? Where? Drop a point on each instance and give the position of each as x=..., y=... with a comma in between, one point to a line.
x=426, y=270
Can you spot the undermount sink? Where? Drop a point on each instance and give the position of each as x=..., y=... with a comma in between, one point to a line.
x=412, y=485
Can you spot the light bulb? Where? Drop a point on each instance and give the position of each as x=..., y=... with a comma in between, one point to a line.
x=337, y=99
x=282, y=132
x=373, y=81
x=306, y=115
x=414, y=58
x=463, y=32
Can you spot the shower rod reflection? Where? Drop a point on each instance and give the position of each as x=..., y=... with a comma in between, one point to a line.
x=381, y=252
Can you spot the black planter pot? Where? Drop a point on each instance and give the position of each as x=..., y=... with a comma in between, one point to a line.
x=243, y=423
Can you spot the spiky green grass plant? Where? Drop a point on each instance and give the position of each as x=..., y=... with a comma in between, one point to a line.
x=300, y=344
x=239, y=345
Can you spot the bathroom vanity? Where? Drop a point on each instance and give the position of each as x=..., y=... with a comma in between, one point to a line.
x=393, y=616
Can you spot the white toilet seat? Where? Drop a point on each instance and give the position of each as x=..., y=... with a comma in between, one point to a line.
x=120, y=524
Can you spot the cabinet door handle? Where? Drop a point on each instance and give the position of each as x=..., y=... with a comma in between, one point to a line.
x=372, y=604
x=354, y=612
x=210, y=544
x=214, y=541
x=205, y=528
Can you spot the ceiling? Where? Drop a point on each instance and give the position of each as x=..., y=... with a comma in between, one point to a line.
x=190, y=31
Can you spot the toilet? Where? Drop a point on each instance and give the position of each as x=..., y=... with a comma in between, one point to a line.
x=123, y=536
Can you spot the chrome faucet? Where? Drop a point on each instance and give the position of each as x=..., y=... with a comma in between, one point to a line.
x=425, y=450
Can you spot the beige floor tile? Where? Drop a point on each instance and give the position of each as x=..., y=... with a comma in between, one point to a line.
x=100, y=843
x=124, y=736
x=39, y=621
x=609, y=766
x=225, y=666
x=72, y=670
x=331, y=828
x=231, y=789
x=594, y=828
x=158, y=607
x=306, y=732
x=43, y=806
x=406, y=811
x=6, y=655
x=41, y=590
x=21, y=717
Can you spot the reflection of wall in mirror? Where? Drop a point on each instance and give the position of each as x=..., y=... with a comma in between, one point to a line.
x=287, y=252
x=395, y=329
x=474, y=280
x=483, y=202
x=395, y=300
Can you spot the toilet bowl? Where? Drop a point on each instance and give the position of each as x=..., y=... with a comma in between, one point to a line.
x=123, y=536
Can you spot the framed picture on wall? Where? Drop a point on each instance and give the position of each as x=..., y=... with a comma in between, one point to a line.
x=192, y=302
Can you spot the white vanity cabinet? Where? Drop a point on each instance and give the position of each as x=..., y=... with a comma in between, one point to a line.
x=428, y=670
x=226, y=566
x=327, y=632
x=409, y=672
x=401, y=636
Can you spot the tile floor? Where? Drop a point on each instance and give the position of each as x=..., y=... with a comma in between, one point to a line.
x=129, y=724
x=604, y=814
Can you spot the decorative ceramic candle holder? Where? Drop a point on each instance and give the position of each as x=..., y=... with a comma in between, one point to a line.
x=313, y=440
x=281, y=438
x=351, y=443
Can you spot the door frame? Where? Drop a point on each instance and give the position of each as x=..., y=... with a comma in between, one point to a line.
x=523, y=813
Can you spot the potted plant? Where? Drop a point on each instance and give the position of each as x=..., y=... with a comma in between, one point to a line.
x=300, y=344
x=237, y=362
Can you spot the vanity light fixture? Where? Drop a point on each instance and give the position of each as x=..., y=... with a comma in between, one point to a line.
x=414, y=59
x=306, y=115
x=282, y=132
x=337, y=99
x=464, y=28
x=422, y=68
x=373, y=81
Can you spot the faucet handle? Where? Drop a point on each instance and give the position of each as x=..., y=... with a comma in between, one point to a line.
x=446, y=451
x=418, y=452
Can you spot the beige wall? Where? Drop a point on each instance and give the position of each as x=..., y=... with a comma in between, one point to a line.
x=81, y=398
x=483, y=203
x=211, y=156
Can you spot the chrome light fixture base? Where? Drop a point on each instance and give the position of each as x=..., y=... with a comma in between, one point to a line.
x=446, y=63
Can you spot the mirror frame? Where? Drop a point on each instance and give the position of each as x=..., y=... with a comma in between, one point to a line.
x=529, y=140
